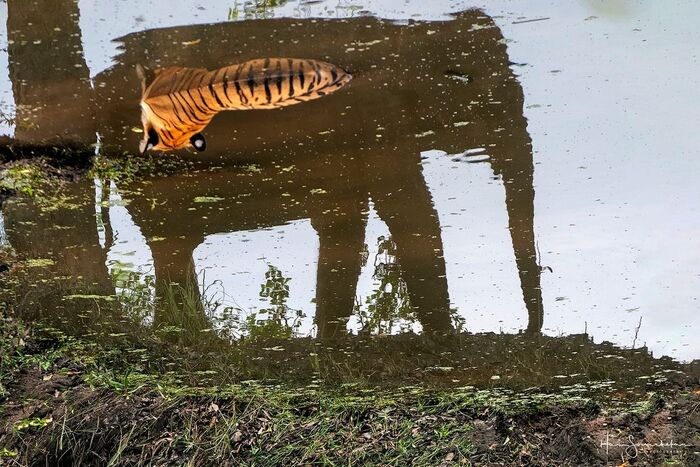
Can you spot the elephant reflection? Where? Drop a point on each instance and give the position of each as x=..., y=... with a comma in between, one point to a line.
x=324, y=160
x=354, y=146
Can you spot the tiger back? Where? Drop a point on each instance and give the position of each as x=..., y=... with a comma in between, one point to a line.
x=180, y=102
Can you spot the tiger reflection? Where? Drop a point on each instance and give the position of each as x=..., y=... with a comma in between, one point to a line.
x=180, y=102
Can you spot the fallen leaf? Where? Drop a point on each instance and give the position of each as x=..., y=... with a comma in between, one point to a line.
x=207, y=199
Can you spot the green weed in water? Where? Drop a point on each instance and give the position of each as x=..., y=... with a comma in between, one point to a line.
x=27, y=179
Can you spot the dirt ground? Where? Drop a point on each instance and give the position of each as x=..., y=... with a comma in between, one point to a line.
x=52, y=416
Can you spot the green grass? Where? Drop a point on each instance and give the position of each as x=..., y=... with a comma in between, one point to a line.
x=178, y=393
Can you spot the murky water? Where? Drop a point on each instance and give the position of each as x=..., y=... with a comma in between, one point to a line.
x=515, y=182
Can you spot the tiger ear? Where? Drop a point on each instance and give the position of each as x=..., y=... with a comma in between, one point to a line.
x=143, y=76
x=198, y=142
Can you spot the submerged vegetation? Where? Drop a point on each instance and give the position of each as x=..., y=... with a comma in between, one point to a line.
x=42, y=177
x=35, y=178
x=128, y=167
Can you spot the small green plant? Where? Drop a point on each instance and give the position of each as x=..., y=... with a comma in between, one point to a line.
x=181, y=314
x=129, y=167
x=32, y=423
x=254, y=9
x=278, y=320
x=122, y=169
x=7, y=453
x=389, y=304
x=135, y=292
x=125, y=383
x=27, y=179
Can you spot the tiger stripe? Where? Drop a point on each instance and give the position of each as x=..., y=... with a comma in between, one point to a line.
x=180, y=102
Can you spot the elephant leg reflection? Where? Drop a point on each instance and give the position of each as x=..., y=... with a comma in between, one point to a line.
x=519, y=204
x=177, y=286
x=406, y=207
x=341, y=234
x=520, y=195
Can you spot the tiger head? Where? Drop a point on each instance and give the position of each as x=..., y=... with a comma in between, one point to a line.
x=167, y=134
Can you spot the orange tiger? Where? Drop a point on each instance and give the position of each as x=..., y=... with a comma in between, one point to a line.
x=180, y=102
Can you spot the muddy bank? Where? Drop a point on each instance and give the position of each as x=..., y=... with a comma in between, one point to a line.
x=62, y=403
x=68, y=401
x=26, y=168
x=43, y=171
x=60, y=154
x=31, y=172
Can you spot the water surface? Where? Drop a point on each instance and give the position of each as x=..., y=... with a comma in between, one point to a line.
x=522, y=173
